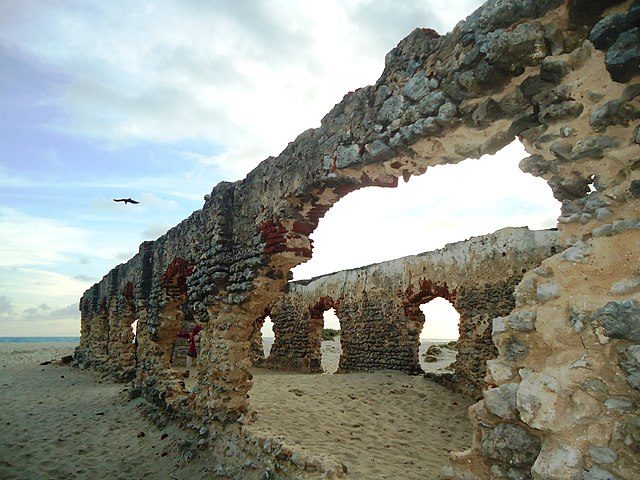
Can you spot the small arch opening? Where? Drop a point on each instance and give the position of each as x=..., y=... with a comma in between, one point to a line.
x=331, y=348
x=134, y=339
x=440, y=332
x=267, y=335
x=186, y=348
x=134, y=329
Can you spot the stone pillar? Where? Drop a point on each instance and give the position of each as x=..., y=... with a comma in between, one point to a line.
x=257, y=349
x=121, y=346
x=376, y=334
x=99, y=346
x=478, y=305
x=292, y=326
x=224, y=363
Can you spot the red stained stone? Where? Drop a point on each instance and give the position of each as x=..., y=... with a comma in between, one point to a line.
x=127, y=292
x=428, y=291
x=324, y=304
x=275, y=249
x=302, y=252
x=342, y=190
x=431, y=32
x=303, y=228
x=271, y=241
x=386, y=181
x=176, y=274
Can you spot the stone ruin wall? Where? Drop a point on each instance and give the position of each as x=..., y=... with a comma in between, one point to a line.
x=378, y=306
x=562, y=397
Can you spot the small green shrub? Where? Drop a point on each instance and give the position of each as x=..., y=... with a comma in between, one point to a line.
x=329, y=333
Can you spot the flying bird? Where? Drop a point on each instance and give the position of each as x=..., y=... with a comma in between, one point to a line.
x=125, y=200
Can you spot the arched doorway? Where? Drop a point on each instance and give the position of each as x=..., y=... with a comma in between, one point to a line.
x=437, y=350
x=267, y=336
x=331, y=348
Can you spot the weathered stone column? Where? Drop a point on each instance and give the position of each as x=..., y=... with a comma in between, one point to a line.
x=257, y=349
x=224, y=363
x=478, y=305
x=292, y=348
x=121, y=346
x=376, y=334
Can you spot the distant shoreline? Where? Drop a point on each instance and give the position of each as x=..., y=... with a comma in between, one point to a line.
x=39, y=339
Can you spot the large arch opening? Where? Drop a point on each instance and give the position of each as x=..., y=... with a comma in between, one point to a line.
x=448, y=203
x=134, y=341
x=318, y=318
x=452, y=203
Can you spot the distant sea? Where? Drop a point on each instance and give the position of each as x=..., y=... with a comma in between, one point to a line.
x=39, y=339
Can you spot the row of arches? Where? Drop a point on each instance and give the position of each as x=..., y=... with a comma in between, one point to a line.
x=440, y=327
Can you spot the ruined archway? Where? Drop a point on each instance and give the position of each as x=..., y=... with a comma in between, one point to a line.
x=262, y=339
x=316, y=327
x=449, y=203
x=174, y=317
x=543, y=72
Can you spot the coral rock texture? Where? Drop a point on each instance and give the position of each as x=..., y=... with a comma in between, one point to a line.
x=562, y=76
x=378, y=306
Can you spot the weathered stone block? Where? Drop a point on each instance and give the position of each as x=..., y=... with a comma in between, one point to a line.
x=629, y=361
x=510, y=445
x=562, y=461
x=601, y=454
x=613, y=112
x=606, y=31
x=536, y=399
x=417, y=87
x=524, y=320
x=597, y=473
x=620, y=319
x=623, y=57
x=621, y=404
x=501, y=401
x=548, y=291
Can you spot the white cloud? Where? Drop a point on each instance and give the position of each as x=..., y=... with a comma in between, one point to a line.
x=30, y=240
x=42, y=320
x=6, y=306
x=249, y=76
x=26, y=284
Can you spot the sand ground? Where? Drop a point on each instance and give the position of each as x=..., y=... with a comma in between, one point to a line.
x=59, y=422
x=382, y=425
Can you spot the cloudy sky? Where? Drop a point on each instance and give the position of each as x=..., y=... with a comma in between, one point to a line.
x=162, y=100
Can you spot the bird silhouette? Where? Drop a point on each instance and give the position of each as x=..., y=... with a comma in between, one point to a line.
x=125, y=200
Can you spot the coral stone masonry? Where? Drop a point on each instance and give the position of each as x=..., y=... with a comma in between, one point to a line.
x=378, y=306
x=561, y=395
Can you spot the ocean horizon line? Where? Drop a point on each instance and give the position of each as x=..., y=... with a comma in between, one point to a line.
x=40, y=339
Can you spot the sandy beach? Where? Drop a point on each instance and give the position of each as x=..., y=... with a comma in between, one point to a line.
x=59, y=422
x=380, y=425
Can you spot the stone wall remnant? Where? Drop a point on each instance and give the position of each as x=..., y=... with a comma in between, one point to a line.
x=560, y=75
x=378, y=306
